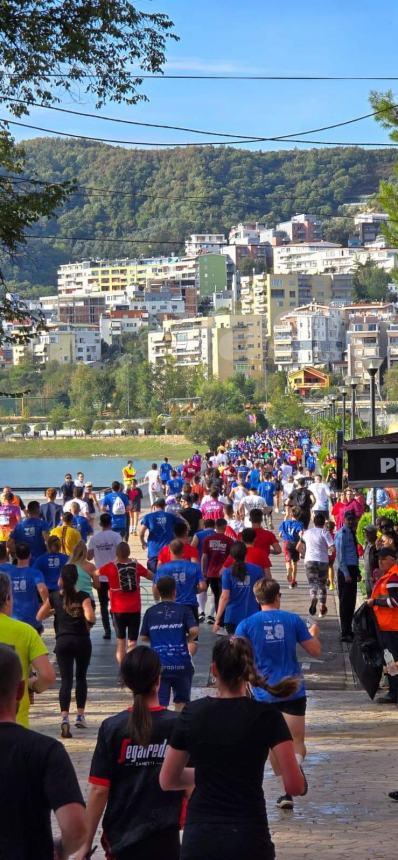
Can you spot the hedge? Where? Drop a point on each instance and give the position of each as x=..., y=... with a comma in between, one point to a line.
x=366, y=520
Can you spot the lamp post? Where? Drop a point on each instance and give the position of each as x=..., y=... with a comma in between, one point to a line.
x=343, y=392
x=333, y=405
x=353, y=382
x=372, y=367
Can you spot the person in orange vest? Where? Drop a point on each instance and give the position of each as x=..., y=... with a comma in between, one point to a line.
x=384, y=600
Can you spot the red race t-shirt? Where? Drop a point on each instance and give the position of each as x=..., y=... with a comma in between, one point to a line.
x=216, y=547
x=264, y=541
x=124, y=584
x=254, y=555
x=189, y=552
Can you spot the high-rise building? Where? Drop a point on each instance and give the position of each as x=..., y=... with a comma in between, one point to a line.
x=312, y=335
x=301, y=228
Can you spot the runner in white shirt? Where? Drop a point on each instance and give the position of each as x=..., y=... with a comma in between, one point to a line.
x=249, y=503
x=83, y=506
x=102, y=548
x=286, y=470
x=155, y=486
x=321, y=492
x=317, y=542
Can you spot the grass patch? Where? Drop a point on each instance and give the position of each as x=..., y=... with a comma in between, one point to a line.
x=146, y=447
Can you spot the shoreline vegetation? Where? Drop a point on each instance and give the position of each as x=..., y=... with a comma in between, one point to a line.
x=139, y=447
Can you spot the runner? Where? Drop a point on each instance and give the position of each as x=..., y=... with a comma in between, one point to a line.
x=50, y=511
x=316, y=543
x=51, y=563
x=73, y=616
x=274, y=635
x=135, y=495
x=290, y=531
x=228, y=739
x=27, y=585
x=168, y=627
x=216, y=549
x=187, y=575
x=123, y=577
x=190, y=552
x=139, y=820
x=81, y=523
x=158, y=525
x=250, y=503
x=237, y=600
x=32, y=531
x=102, y=548
x=152, y=477
x=117, y=504
x=165, y=470
x=128, y=473
x=10, y=516
x=67, y=534
x=265, y=540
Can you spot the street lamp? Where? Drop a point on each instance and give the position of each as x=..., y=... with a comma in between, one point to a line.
x=372, y=367
x=353, y=382
x=333, y=405
x=343, y=391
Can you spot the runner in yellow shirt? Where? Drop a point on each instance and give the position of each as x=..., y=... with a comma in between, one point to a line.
x=31, y=650
x=128, y=472
x=68, y=535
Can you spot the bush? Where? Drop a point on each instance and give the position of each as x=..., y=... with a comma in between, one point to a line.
x=366, y=520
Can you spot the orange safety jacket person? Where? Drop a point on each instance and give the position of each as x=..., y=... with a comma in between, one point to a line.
x=386, y=591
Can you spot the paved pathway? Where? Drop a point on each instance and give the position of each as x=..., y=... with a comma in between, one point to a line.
x=352, y=745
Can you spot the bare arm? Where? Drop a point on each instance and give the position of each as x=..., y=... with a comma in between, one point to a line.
x=45, y=611
x=313, y=646
x=289, y=770
x=43, y=591
x=89, y=612
x=141, y=535
x=204, y=564
x=224, y=600
x=97, y=800
x=276, y=548
x=45, y=674
x=193, y=632
x=72, y=824
x=174, y=775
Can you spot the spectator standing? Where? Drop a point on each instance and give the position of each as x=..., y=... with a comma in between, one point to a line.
x=67, y=488
x=384, y=600
x=370, y=558
x=50, y=511
x=347, y=573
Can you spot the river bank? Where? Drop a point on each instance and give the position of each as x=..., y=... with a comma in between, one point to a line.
x=145, y=447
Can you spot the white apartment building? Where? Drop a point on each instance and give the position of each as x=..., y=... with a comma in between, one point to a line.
x=392, y=345
x=224, y=344
x=115, y=276
x=114, y=324
x=313, y=335
x=204, y=243
x=322, y=257
x=301, y=228
x=367, y=337
x=246, y=234
x=63, y=343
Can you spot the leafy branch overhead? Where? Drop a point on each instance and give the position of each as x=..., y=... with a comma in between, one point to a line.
x=47, y=46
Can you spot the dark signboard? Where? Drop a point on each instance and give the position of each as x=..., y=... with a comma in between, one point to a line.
x=373, y=462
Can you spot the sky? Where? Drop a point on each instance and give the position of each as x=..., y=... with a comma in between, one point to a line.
x=333, y=37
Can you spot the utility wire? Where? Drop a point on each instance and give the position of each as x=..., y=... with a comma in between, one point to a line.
x=215, y=77
x=175, y=145
x=201, y=131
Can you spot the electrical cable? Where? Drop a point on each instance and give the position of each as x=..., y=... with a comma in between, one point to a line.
x=222, y=77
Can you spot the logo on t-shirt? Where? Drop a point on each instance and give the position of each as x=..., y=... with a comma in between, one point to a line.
x=274, y=632
x=140, y=755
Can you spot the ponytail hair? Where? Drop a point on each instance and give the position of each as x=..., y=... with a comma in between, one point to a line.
x=238, y=553
x=69, y=579
x=234, y=661
x=140, y=672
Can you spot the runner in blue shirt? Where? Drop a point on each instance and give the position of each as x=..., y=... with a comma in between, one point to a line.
x=174, y=484
x=117, y=504
x=31, y=531
x=171, y=630
x=237, y=599
x=27, y=583
x=165, y=470
x=160, y=527
x=274, y=636
x=51, y=563
x=187, y=575
x=254, y=476
x=82, y=524
x=266, y=489
x=200, y=536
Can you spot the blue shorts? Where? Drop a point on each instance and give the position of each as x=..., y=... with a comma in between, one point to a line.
x=177, y=680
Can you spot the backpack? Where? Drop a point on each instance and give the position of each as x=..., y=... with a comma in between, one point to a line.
x=118, y=507
x=128, y=576
x=302, y=497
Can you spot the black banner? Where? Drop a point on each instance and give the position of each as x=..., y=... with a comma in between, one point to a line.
x=375, y=466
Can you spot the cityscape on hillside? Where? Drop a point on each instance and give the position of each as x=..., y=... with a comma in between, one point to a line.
x=259, y=299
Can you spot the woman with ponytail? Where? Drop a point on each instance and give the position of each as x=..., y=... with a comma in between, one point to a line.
x=237, y=599
x=140, y=821
x=229, y=738
x=74, y=615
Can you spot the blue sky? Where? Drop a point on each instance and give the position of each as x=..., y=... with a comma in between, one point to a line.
x=346, y=37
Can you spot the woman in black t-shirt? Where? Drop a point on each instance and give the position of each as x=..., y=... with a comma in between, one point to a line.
x=73, y=616
x=229, y=739
x=140, y=820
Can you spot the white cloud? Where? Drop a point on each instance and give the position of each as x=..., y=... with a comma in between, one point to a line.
x=211, y=67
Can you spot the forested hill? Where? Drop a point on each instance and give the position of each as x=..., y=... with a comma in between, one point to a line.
x=162, y=195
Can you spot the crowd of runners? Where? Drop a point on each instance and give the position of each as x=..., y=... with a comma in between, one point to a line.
x=211, y=529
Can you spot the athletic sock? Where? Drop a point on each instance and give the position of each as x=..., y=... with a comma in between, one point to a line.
x=299, y=759
x=202, y=600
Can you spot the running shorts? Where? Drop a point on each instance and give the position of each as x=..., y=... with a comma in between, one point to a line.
x=127, y=621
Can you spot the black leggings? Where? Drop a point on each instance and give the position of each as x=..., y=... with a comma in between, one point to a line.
x=164, y=845
x=216, y=587
x=212, y=840
x=70, y=650
x=103, y=594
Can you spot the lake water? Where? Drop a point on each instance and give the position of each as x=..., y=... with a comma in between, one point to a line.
x=50, y=472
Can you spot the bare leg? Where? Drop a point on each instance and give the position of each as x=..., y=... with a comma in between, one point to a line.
x=120, y=649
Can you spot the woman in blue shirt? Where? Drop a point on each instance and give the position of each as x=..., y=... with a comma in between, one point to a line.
x=237, y=598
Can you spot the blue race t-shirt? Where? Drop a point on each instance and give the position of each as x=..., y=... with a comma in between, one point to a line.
x=83, y=526
x=201, y=535
x=25, y=599
x=167, y=625
x=175, y=485
x=165, y=470
x=50, y=565
x=266, y=489
x=254, y=479
x=118, y=520
x=30, y=531
x=274, y=635
x=187, y=575
x=290, y=530
x=242, y=601
x=160, y=525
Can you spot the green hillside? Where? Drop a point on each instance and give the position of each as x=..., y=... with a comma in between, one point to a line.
x=235, y=184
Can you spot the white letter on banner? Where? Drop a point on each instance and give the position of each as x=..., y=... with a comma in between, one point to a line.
x=386, y=463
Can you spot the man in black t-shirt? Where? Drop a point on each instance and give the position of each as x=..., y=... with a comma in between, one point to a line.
x=192, y=515
x=36, y=777
x=302, y=498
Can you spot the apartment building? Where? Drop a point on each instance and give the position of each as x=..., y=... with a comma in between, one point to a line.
x=224, y=344
x=392, y=345
x=301, y=228
x=114, y=324
x=276, y=295
x=369, y=226
x=204, y=243
x=312, y=335
x=110, y=276
x=322, y=257
x=62, y=343
x=367, y=337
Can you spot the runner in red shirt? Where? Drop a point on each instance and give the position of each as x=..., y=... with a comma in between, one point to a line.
x=181, y=531
x=265, y=539
x=254, y=555
x=216, y=549
x=123, y=577
x=212, y=509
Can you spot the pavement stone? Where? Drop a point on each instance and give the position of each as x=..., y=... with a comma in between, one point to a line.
x=351, y=742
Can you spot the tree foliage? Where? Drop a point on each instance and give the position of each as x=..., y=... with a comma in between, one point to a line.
x=287, y=410
x=213, y=427
x=370, y=282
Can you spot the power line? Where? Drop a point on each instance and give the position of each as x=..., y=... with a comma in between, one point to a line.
x=202, y=131
x=127, y=240
x=175, y=145
x=220, y=77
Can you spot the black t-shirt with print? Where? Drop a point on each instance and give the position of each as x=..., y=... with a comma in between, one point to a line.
x=36, y=776
x=229, y=741
x=66, y=623
x=137, y=807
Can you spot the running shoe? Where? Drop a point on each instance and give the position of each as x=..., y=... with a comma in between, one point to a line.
x=323, y=611
x=293, y=584
x=202, y=617
x=222, y=632
x=65, y=729
x=107, y=635
x=81, y=722
x=285, y=802
x=393, y=795
x=331, y=587
x=210, y=619
x=312, y=609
